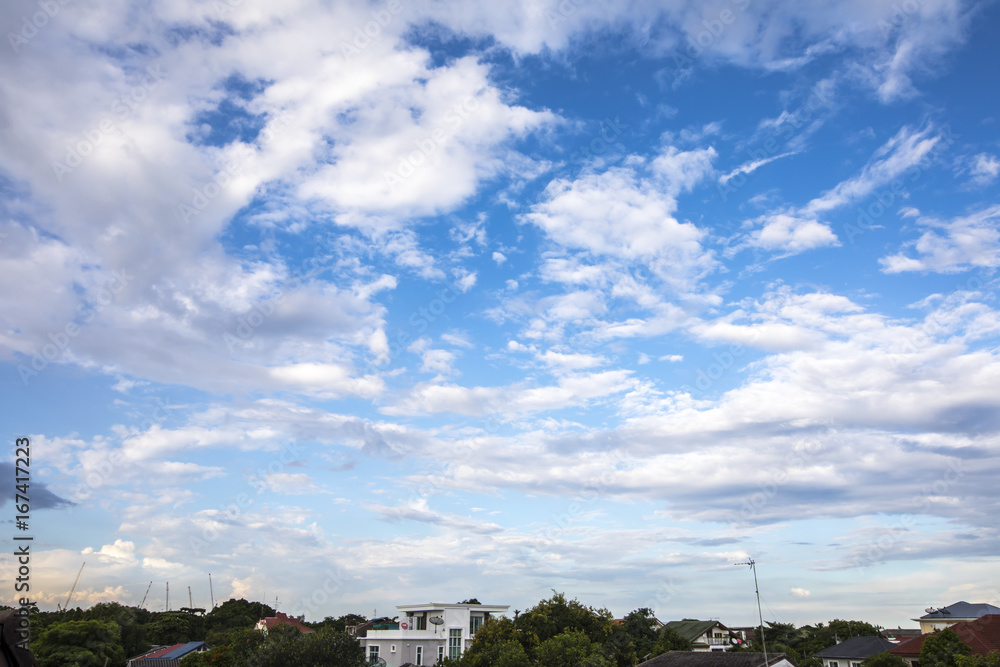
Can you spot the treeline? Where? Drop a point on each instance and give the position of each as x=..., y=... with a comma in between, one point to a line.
x=113, y=632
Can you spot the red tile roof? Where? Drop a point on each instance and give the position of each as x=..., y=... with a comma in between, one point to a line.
x=982, y=635
x=283, y=619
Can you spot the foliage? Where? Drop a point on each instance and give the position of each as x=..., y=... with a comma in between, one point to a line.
x=556, y=615
x=884, y=660
x=668, y=639
x=80, y=644
x=638, y=625
x=940, y=649
x=991, y=659
x=283, y=646
x=175, y=627
x=470, y=601
x=236, y=614
x=339, y=624
x=572, y=648
x=495, y=638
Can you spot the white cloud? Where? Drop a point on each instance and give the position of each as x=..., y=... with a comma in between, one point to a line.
x=795, y=230
x=799, y=592
x=950, y=246
x=985, y=169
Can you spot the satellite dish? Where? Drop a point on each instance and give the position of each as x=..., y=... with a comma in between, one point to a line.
x=437, y=620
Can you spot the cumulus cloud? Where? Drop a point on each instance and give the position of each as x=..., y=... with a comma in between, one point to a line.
x=951, y=246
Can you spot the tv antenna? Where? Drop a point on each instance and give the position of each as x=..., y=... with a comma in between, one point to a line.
x=763, y=641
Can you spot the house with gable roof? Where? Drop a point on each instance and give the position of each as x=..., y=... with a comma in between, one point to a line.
x=705, y=635
x=852, y=652
x=982, y=635
x=945, y=617
x=279, y=618
x=167, y=656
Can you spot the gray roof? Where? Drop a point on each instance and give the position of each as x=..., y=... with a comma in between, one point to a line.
x=961, y=610
x=713, y=659
x=857, y=648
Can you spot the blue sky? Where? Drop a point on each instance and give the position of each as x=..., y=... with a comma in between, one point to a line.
x=354, y=305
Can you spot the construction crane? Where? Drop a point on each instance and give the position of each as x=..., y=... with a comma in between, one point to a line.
x=142, y=605
x=72, y=590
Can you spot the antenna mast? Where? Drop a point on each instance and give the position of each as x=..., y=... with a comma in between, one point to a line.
x=168, y=596
x=210, y=591
x=763, y=641
x=190, y=603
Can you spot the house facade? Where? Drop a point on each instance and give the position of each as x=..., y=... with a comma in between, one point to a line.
x=423, y=634
x=705, y=635
x=852, y=652
x=982, y=635
x=945, y=617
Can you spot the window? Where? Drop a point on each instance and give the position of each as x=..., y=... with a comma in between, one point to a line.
x=440, y=653
x=421, y=622
x=455, y=643
x=855, y=664
x=373, y=654
x=420, y=655
x=475, y=622
x=834, y=663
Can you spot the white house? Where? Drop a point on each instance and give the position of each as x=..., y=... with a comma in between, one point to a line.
x=422, y=634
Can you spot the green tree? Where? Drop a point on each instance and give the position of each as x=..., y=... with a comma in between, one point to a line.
x=638, y=625
x=79, y=644
x=557, y=615
x=940, y=649
x=236, y=615
x=884, y=660
x=340, y=623
x=131, y=621
x=495, y=638
x=668, y=639
x=572, y=648
x=991, y=659
x=175, y=627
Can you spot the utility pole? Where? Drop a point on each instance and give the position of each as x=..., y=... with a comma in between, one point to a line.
x=753, y=566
